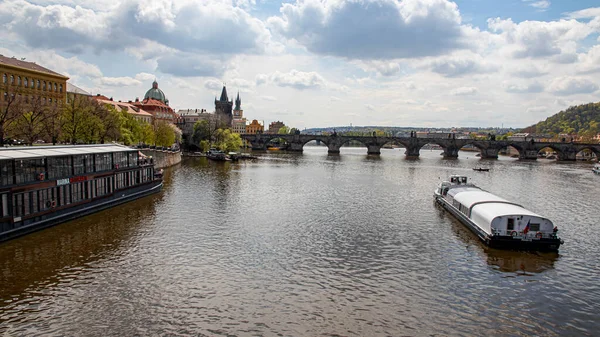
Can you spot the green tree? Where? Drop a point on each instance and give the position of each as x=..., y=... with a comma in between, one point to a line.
x=164, y=134
x=284, y=130
x=29, y=124
x=76, y=115
x=228, y=141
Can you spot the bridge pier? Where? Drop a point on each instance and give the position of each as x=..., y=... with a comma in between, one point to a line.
x=412, y=151
x=566, y=156
x=295, y=147
x=528, y=154
x=489, y=154
x=373, y=149
x=333, y=148
x=451, y=152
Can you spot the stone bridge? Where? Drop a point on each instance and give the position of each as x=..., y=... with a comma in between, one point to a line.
x=487, y=148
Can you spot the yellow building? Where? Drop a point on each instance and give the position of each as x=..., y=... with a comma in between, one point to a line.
x=255, y=127
x=30, y=80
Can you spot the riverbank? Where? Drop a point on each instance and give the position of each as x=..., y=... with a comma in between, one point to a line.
x=163, y=158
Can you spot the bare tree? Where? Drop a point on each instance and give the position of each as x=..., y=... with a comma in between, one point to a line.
x=11, y=104
x=31, y=119
x=54, y=123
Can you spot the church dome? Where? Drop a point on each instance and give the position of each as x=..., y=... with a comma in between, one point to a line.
x=156, y=94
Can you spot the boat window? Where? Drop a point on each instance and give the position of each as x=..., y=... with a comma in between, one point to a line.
x=103, y=162
x=133, y=159
x=534, y=227
x=463, y=180
x=59, y=167
x=29, y=170
x=510, y=224
x=6, y=173
x=120, y=158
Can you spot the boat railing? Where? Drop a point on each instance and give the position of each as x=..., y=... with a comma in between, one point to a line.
x=522, y=235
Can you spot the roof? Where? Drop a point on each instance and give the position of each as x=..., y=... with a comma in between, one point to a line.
x=76, y=90
x=156, y=93
x=129, y=107
x=152, y=101
x=224, y=97
x=14, y=62
x=30, y=152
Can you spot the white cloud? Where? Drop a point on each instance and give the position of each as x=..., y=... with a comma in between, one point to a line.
x=269, y=98
x=523, y=88
x=464, y=91
x=124, y=81
x=144, y=77
x=537, y=109
x=213, y=84
x=370, y=107
x=590, y=61
x=584, y=13
x=459, y=65
x=568, y=85
x=261, y=79
x=298, y=79
x=541, y=4
x=373, y=29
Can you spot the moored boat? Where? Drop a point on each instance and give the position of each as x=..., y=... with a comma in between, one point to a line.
x=217, y=155
x=481, y=169
x=43, y=186
x=596, y=169
x=497, y=222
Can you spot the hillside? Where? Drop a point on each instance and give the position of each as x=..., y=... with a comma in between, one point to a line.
x=583, y=120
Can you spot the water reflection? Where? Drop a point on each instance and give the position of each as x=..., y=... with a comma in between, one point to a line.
x=38, y=259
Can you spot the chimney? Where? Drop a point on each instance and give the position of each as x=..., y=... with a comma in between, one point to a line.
x=111, y=99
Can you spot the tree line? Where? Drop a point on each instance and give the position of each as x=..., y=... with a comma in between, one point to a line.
x=79, y=120
x=582, y=120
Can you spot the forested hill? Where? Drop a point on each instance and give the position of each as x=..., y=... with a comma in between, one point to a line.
x=583, y=120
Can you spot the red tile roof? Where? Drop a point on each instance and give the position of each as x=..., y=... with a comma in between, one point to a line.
x=12, y=61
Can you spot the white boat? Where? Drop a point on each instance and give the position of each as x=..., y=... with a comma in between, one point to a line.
x=497, y=222
x=596, y=169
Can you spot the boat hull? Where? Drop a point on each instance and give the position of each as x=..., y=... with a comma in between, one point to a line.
x=77, y=211
x=500, y=241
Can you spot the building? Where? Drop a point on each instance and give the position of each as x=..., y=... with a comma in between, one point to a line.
x=131, y=109
x=239, y=125
x=274, y=127
x=223, y=108
x=30, y=80
x=255, y=127
x=156, y=103
x=188, y=117
x=74, y=91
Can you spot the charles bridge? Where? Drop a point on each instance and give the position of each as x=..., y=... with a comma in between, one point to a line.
x=565, y=151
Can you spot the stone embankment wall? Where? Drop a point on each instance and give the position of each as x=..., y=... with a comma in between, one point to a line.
x=162, y=158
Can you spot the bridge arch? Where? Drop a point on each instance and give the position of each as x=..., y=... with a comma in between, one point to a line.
x=593, y=149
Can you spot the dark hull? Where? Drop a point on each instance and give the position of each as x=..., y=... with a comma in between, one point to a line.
x=498, y=241
x=63, y=215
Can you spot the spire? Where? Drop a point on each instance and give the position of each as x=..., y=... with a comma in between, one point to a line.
x=224, y=97
x=238, y=102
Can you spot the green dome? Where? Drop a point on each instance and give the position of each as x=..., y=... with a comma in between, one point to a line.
x=156, y=94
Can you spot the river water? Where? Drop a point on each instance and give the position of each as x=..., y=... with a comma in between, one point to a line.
x=311, y=244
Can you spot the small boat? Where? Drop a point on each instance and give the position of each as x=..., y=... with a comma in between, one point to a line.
x=481, y=169
x=497, y=222
x=217, y=155
x=596, y=169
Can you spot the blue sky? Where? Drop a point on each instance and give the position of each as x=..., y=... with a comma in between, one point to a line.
x=316, y=63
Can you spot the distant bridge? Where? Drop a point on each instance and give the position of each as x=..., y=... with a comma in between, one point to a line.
x=488, y=148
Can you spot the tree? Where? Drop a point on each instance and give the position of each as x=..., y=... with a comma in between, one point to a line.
x=9, y=111
x=164, y=134
x=227, y=141
x=29, y=124
x=284, y=130
x=110, y=121
x=53, y=126
x=76, y=115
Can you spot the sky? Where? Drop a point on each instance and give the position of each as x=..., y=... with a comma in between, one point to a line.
x=319, y=63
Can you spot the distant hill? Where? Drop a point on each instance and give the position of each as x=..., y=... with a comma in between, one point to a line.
x=583, y=120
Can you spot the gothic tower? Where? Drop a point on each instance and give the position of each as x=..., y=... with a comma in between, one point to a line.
x=238, y=113
x=223, y=107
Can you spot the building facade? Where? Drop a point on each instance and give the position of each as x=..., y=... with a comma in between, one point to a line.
x=156, y=103
x=255, y=127
x=188, y=117
x=131, y=109
x=30, y=81
x=274, y=127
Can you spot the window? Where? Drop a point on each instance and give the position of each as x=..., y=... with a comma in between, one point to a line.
x=49, y=86
x=6, y=96
x=49, y=100
x=120, y=158
x=103, y=161
x=26, y=82
x=4, y=78
x=12, y=79
x=39, y=84
x=60, y=87
x=534, y=227
x=32, y=83
x=133, y=159
x=44, y=85
x=27, y=170
x=510, y=224
x=59, y=167
x=6, y=172
x=54, y=86
x=18, y=80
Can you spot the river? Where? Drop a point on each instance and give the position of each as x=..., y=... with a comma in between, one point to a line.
x=311, y=244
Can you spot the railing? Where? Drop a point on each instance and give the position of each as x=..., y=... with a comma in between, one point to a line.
x=521, y=235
